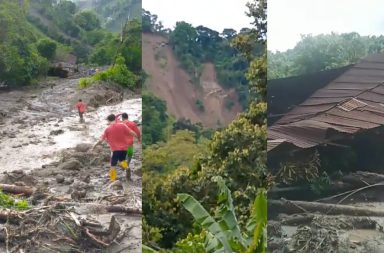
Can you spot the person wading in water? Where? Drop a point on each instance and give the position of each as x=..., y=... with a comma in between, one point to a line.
x=81, y=109
x=132, y=125
x=118, y=137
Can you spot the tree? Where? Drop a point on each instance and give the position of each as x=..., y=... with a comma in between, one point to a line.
x=236, y=153
x=146, y=20
x=322, y=52
x=87, y=20
x=229, y=33
x=67, y=7
x=155, y=119
x=47, y=48
x=20, y=62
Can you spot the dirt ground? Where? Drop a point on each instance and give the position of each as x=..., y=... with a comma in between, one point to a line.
x=171, y=83
x=73, y=207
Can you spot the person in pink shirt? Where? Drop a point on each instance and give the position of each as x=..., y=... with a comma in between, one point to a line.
x=132, y=125
x=118, y=137
x=81, y=109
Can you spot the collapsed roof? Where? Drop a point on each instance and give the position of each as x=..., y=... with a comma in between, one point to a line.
x=351, y=103
x=285, y=93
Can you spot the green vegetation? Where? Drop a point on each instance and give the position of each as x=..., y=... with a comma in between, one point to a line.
x=200, y=105
x=223, y=232
x=87, y=20
x=47, y=48
x=8, y=202
x=37, y=33
x=188, y=162
x=113, y=13
x=229, y=104
x=195, y=46
x=155, y=119
x=20, y=61
x=322, y=52
x=118, y=73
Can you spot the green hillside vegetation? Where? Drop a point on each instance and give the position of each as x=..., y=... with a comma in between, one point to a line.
x=194, y=46
x=20, y=61
x=115, y=12
x=322, y=52
x=35, y=34
x=193, y=175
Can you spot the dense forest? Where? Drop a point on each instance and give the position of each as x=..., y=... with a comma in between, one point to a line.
x=113, y=13
x=36, y=34
x=203, y=190
x=194, y=46
x=322, y=52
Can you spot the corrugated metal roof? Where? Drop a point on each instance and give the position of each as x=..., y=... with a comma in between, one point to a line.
x=351, y=103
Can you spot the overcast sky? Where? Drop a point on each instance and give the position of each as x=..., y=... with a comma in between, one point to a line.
x=288, y=19
x=214, y=14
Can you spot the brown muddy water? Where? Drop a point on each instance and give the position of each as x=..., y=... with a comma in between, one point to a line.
x=27, y=133
x=39, y=132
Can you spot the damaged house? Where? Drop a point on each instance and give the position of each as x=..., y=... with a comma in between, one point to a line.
x=333, y=118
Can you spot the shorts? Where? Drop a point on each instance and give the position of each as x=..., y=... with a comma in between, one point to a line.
x=118, y=156
x=130, y=151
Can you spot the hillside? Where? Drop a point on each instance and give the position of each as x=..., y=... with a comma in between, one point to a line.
x=207, y=103
x=113, y=12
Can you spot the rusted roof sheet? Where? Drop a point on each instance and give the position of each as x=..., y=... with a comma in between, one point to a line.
x=351, y=103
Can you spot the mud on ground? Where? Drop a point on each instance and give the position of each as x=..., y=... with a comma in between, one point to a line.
x=73, y=207
x=308, y=232
x=70, y=206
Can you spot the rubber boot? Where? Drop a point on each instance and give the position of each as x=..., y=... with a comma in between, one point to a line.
x=124, y=165
x=112, y=174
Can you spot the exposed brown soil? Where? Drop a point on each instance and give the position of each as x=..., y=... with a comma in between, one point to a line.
x=171, y=83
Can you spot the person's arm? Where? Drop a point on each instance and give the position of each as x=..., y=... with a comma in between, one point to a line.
x=137, y=131
x=97, y=143
x=102, y=138
x=130, y=131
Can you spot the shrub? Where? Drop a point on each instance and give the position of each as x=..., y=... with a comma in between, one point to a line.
x=47, y=48
x=8, y=202
x=200, y=105
x=85, y=82
x=119, y=74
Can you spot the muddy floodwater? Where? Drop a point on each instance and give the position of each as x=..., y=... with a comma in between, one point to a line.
x=39, y=124
x=44, y=146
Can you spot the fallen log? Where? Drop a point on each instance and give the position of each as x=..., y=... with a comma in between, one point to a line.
x=297, y=219
x=11, y=216
x=100, y=207
x=349, y=193
x=294, y=207
x=345, y=222
x=16, y=189
x=362, y=178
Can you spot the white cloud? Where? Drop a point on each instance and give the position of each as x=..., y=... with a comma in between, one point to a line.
x=287, y=20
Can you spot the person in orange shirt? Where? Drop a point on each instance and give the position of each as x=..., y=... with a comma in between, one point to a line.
x=132, y=125
x=118, y=137
x=81, y=109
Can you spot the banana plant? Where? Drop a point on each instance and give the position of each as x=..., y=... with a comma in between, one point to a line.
x=146, y=249
x=224, y=233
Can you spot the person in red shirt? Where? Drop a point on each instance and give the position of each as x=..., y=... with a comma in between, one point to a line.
x=132, y=125
x=118, y=137
x=81, y=109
